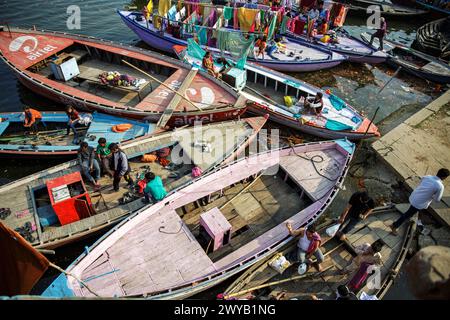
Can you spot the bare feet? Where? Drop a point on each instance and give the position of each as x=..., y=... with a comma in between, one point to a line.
x=343, y=237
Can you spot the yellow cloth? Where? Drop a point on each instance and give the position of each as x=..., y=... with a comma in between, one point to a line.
x=163, y=7
x=149, y=9
x=246, y=18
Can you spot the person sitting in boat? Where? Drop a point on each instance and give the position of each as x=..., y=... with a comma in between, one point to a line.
x=314, y=104
x=154, y=190
x=32, y=119
x=104, y=156
x=322, y=20
x=313, y=14
x=121, y=166
x=368, y=257
x=380, y=33
x=307, y=246
x=74, y=119
x=261, y=45
x=359, y=207
x=342, y=293
x=208, y=64
x=88, y=163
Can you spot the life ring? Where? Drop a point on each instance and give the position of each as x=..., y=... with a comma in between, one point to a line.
x=122, y=127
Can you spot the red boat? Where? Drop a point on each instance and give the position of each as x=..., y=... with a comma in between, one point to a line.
x=122, y=80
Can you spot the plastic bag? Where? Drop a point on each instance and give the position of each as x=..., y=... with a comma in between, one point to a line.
x=331, y=231
x=279, y=263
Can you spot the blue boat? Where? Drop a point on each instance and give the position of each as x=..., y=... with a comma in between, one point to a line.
x=52, y=138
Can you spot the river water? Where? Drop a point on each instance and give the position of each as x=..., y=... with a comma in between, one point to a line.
x=359, y=84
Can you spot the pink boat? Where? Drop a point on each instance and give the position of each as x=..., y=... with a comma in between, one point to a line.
x=212, y=228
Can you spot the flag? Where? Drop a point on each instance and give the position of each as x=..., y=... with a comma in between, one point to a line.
x=163, y=7
x=148, y=10
x=21, y=265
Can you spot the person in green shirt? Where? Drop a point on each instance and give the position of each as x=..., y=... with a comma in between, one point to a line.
x=104, y=156
x=154, y=190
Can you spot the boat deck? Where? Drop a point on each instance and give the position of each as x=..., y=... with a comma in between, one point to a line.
x=106, y=201
x=175, y=251
x=295, y=52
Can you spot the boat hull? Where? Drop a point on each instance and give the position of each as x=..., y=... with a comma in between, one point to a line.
x=315, y=131
x=178, y=118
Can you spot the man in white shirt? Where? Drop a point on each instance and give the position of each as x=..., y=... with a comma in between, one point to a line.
x=430, y=188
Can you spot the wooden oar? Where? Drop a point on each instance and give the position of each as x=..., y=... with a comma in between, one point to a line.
x=278, y=282
x=161, y=83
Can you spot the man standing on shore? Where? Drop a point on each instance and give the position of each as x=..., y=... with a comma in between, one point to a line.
x=430, y=188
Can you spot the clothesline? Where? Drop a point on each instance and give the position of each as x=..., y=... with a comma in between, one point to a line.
x=205, y=27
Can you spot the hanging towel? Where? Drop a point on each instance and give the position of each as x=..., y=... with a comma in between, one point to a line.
x=201, y=34
x=235, y=18
x=163, y=7
x=272, y=27
x=284, y=24
x=246, y=18
x=227, y=13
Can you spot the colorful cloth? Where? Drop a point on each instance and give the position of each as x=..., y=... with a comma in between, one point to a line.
x=163, y=7
x=246, y=18
x=227, y=13
x=337, y=102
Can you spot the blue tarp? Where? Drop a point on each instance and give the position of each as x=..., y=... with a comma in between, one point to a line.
x=337, y=102
x=336, y=126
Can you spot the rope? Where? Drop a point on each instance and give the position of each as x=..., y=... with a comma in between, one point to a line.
x=76, y=278
x=314, y=163
x=163, y=227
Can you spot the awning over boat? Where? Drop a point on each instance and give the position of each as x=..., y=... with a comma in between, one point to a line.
x=25, y=50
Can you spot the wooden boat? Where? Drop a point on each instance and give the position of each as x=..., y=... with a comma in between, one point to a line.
x=299, y=57
x=415, y=62
x=433, y=38
x=266, y=90
x=444, y=7
x=387, y=8
x=31, y=206
x=36, y=58
x=354, y=49
x=53, y=140
x=212, y=228
x=261, y=281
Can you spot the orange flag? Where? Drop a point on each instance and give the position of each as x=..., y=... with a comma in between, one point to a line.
x=21, y=265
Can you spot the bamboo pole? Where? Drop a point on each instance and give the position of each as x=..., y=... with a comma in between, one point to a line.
x=240, y=192
x=239, y=293
x=161, y=83
x=71, y=275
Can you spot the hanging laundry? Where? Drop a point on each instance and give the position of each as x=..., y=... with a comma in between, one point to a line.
x=246, y=18
x=235, y=18
x=284, y=24
x=227, y=13
x=272, y=27
x=202, y=34
x=163, y=7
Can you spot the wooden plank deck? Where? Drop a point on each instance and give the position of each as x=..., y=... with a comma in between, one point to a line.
x=302, y=171
x=421, y=146
x=174, y=253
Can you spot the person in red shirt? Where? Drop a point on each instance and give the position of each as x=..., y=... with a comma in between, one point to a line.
x=32, y=119
x=74, y=118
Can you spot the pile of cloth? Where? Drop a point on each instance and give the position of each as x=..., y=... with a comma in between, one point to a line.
x=114, y=78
